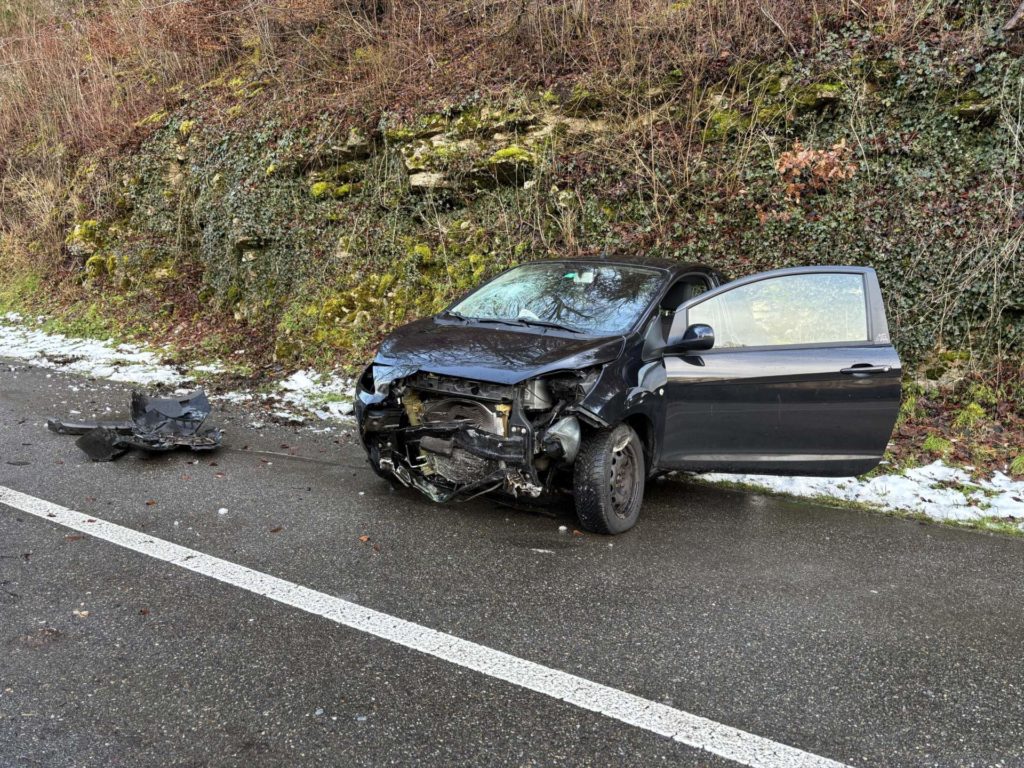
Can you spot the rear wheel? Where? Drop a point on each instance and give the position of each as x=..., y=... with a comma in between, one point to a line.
x=608, y=480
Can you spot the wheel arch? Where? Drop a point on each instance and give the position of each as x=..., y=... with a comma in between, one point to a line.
x=644, y=428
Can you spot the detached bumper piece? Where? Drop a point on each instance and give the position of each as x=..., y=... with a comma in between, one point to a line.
x=157, y=424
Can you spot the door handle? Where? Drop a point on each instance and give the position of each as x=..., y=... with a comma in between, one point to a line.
x=865, y=369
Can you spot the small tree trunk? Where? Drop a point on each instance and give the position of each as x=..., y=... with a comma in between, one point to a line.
x=1015, y=20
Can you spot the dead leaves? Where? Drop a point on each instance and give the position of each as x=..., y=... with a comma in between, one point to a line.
x=807, y=171
x=364, y=539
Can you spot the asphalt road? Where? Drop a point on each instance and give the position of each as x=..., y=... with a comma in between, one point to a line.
x=861, y=638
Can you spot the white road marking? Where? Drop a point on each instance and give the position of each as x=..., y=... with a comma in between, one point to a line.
x=694, y=731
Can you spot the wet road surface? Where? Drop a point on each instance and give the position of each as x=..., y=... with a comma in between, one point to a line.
x=856, y=637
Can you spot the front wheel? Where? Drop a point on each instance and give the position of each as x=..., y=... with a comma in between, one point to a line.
x=608, y=480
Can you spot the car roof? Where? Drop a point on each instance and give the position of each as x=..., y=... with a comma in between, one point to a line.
x=670, y=268
x=638, y=261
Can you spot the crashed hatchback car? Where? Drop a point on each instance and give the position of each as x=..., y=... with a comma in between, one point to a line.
x=592, y=376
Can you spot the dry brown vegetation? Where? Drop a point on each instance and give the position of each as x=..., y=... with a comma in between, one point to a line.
x=78, y=77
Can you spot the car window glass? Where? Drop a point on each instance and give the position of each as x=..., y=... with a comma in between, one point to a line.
x=592, y=298
x=790, y=309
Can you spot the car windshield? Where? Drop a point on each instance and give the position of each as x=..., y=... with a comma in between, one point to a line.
x=596, y=299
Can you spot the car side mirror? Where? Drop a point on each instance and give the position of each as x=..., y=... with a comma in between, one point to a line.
x=697, y=338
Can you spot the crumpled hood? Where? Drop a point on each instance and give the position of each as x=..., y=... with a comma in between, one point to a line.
x=491, y=352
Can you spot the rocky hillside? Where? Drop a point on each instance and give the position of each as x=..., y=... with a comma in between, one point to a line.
x=296, y=178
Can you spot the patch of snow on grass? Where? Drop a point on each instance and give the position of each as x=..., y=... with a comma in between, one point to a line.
x=327, y=396
x=937, y=490
x=209, y=368
x=88, y=357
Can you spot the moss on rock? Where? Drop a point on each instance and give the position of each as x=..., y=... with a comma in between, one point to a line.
x=511, y=165
x=513, y=154
x=972, y=107
x=817, y=96
x=96, y=266
x=723, y=123
x=85, y=238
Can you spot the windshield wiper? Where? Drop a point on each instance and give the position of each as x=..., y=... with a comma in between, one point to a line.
x=547, y=324
x=495, y=320
x=455, y=315
x=520, y=321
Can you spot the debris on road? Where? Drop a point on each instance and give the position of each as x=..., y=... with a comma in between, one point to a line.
x=157, y=424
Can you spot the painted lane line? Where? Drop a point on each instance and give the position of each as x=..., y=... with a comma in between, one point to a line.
x=694, y=731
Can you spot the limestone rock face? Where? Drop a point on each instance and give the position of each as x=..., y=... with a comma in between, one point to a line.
x=357, y=146
x=428, y=180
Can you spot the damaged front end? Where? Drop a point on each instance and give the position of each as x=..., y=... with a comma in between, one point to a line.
x=452, y=438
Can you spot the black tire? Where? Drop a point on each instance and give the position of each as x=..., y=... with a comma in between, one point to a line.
x=608, y=480
x=373, y=459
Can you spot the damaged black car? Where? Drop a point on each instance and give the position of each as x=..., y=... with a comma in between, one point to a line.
x=592, y=376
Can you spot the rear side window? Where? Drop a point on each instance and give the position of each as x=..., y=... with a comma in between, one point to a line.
x=822, y=308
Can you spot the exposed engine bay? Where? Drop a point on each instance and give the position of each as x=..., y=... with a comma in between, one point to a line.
x=452, y=438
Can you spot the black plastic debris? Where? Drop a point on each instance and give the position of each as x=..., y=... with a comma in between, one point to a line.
x=157, y=424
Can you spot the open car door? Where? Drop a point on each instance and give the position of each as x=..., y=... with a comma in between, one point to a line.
x=801, y=379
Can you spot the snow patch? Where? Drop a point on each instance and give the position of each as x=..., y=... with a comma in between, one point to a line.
x=937, y=490
x=88, y=357
x=329, y=397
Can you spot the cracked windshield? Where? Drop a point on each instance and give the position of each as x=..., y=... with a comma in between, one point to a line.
x=595, y=300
